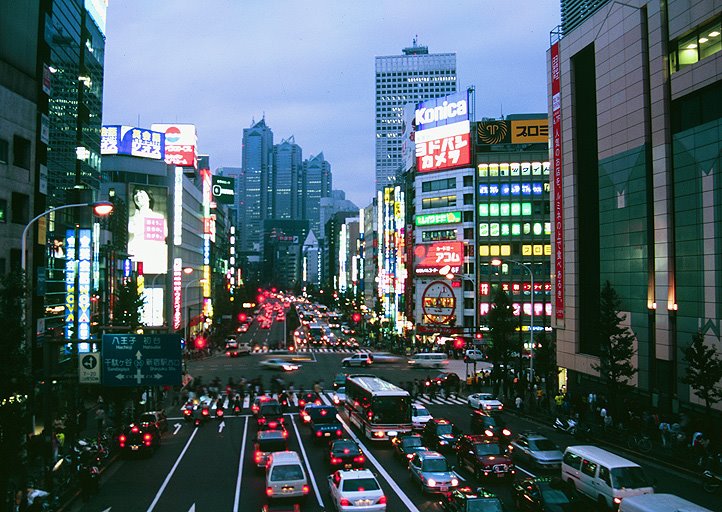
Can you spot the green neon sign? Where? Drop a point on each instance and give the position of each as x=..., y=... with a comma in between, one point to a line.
x=431, y=219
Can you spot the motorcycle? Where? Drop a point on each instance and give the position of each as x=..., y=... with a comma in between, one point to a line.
x=712, y=476
x=571, y=427
x=283, y=400
x=188, y=410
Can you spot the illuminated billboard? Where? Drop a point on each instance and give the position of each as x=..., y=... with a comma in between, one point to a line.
x=443, y=133
x=223, y=189
x=148, y=227
x=518, y=131
x=432, y=219
x=180, y=143
x=128, y=140
x=439, y=258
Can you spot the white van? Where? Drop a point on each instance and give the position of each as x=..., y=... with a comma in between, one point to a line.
x=659, y=503
x=285, y=477
x=604, y=477
x=429, y=360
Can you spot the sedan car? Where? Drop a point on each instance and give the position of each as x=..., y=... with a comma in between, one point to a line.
x=135, y=439
x=339, y=380
x=358, y=359
x=280, y=365
x=432, y=472
x=440, y=434
x=544, y=495
x=484, y=401
x=484, y=457
x=306, y=399
x=270, y=415
x=537, y=450
x=345, y=454
x=488, y=425
x=420, y=416
x=339, y=396
x=466, y=499
x=267, y=442
x=356, y=490
x=406, y=445
x=386, y=358
x=157, y=418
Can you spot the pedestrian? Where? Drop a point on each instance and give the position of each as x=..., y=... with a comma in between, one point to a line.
x=100, y=419
x=518, y=403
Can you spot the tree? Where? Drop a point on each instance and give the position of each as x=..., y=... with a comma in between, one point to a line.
x=616, y=344
x=704, y=371
x=502, y=325
x=128, y=304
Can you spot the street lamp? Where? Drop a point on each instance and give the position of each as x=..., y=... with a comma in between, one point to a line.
x=497, y=262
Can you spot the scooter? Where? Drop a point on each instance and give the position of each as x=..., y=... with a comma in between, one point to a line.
x=570, y=426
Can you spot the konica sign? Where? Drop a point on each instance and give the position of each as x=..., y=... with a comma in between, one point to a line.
x=442, y=111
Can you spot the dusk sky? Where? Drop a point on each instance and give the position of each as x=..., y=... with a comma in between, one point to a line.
x=308, y=66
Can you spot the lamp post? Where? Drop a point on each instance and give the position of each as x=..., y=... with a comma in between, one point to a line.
x=496, y=263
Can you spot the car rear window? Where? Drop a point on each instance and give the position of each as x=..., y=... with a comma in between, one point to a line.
x=270, y=409
x=286, y=472
x=360, y=485
x=323, y=415
x=345, y=448
x=272, y=445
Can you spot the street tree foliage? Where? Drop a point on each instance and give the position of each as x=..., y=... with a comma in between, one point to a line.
x=128, y=305
x=502, y=326
x=616, y=346
x=704, y=371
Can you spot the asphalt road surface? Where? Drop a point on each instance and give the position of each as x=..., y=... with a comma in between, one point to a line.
x=211, y=468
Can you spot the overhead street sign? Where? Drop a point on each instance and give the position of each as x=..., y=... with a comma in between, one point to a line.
x=130, y=360
x=89, y=368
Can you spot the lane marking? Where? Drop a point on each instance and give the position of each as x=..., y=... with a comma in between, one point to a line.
x=177, y=428
x=236, y=499
x=307, y=464
x=172, y=470
x=402, y=496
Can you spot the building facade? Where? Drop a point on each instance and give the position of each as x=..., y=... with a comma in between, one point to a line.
x=286, y=180
x=636, y=131
x=414, y=76
x=317, y=182
x=254, y=188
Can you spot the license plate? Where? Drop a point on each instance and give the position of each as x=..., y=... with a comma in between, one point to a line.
x=287, y=489
x=501, y=475
x=134, y=448
x=347, y=466
x=443, y=488
x=327, y=434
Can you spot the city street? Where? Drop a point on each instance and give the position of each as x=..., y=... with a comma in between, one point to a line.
x=211, y=467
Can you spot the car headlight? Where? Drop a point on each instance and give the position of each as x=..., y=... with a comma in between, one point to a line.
x=431, y=482
x=443, y=442
x=454, y=482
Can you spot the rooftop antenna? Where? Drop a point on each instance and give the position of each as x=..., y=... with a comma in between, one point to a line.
x=501, y=110
x=416, y=38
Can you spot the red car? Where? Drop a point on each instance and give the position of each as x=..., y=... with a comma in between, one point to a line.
x=485, y=457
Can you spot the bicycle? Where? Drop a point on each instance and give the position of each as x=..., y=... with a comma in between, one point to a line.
x=639, y=442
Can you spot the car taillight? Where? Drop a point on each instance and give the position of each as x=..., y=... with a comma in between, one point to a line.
x=305, y=489
x=135, y=430
x=285, y=434
x=306, y=418
x=319, y=433
x=261, y=421
x=506, y=432
x=219, y=413
x=335, y=460
x=344, y=502
x=187, y=412
x=272, y=425
x=204, y=412
x=259, y=456
x=281, y=420
x=121, y=441
x=339, y=433
x=147, y=437
x=409, y=455
x=269, y=491
x=359, y=459
x=382, y=500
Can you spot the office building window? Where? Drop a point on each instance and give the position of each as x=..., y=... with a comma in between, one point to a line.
x=20, y=208
x=698, y=45
x=21, y=152
x=4, y=151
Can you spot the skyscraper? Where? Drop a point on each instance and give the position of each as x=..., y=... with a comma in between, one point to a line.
x=254, y=199
x=286, y=180
x=412, y=77
x=317, y=183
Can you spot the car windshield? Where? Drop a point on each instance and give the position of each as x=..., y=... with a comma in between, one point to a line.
x=435, y=465
x=285, y=472
x=542, y=445
x=629, y=478
x=486, y=396
x=345, y=448
x=484, y=505
x=360, y=485
x=391, y=410
x=323, y=415
x=410, y=442
x=272, y=445
x=444, y=429
x=487, y=449
x=421, y=411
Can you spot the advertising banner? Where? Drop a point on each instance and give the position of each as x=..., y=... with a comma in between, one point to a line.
x=432, y=219
x=558, y=207
x=128, y=140
x=130, y=360
x=445, y=147
x=438, y=303
x=223, y=189
x=152, y=312
x=84, y=250
x=436, y=112
x=181, y=142
x=177, y=292
x=148, y=227
x=518, y=131
x=439, y=258
x=70, y=284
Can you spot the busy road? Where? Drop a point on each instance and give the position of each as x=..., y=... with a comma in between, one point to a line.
x=212, y=467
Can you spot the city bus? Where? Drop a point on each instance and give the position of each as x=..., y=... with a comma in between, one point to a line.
x=380, y=409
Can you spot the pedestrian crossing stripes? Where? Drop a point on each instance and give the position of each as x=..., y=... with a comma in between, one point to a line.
x=308, y=350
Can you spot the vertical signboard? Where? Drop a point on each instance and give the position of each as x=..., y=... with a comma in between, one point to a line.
x=177, y=292
x=84, y=282
x=558, y=191
x=206, y=181
x=442, y=137
x=148, y=227
x=178, y=207
x=69, y=284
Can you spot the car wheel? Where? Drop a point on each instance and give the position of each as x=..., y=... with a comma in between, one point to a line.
x=572, y=488
x=602, y=504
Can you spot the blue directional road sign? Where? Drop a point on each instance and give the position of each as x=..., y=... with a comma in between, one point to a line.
x=141, y=360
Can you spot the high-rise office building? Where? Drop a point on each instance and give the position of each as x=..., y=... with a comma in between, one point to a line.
x=286, y=180
x=317, y=181
x=636, y=130
x=415, y=76
x=254, y=198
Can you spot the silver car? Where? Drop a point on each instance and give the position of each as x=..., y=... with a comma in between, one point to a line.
x=432, y=472
x=536, y=450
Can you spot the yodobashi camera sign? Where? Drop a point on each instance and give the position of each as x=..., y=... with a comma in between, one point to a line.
x=442, y=111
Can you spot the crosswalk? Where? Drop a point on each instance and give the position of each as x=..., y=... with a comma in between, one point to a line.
x=327, y=398
x=307, y=350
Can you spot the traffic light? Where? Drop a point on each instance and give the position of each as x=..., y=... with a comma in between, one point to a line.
x=242, y=317
x=200, y=343
x=356, y=317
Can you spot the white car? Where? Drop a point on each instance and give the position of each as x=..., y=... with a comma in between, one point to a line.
x=279, y=364
x=356, y=489
x=358, y=359
x=484, y=401
x=231, y=342
x=339, y=396
x=420, y=416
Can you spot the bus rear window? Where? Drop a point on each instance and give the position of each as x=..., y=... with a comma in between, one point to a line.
x=391, y=410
